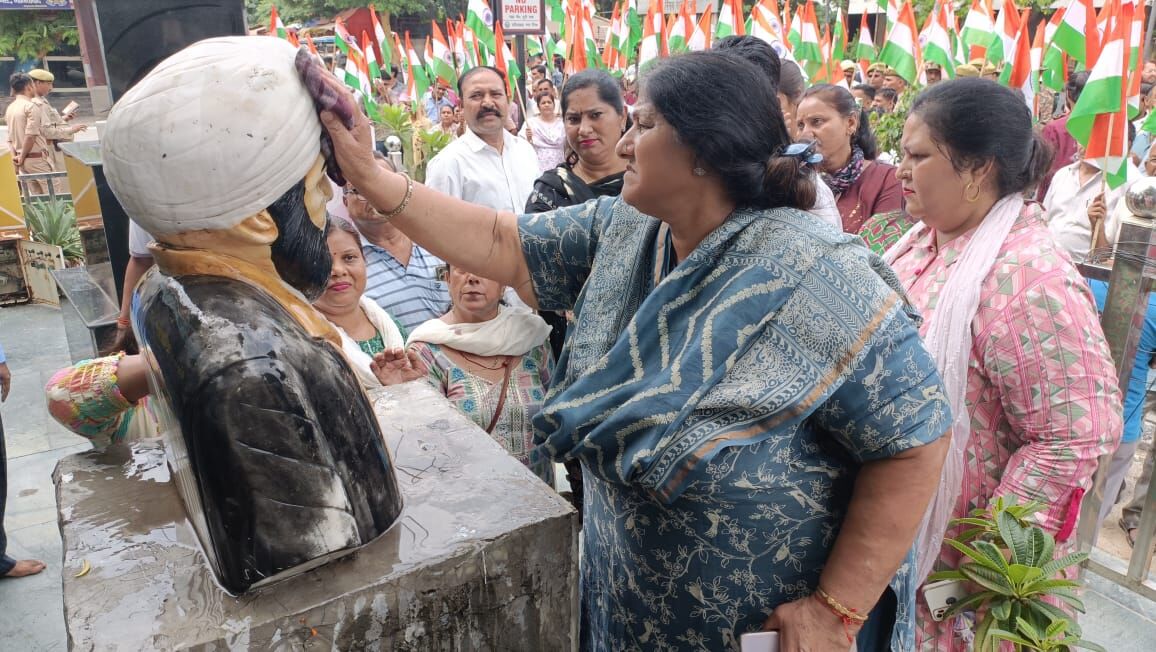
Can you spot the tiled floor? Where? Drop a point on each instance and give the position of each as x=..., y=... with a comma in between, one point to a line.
x=31, y=609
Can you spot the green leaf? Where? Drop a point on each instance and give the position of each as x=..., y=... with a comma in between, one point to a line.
x=939, y=576
x=972, y=602
x=1015, y=536
x=1001, y=611
x=992, y=552
x=1043, y=547
x=1049, y=613
x=1058, y=627
x=983, y=639
x=1004, y=635
x=1067, y=596
x=1056, y=565
x=1028, y=629
x=988, y=579
x=1021, y=575
x=978, y=557
x=1043, y=587
x=1088, y=645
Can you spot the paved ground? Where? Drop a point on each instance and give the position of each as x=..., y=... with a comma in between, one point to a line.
x=31, y=611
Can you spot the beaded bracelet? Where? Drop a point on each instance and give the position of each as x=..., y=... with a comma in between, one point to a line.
x=404, y=202
x=848, y=616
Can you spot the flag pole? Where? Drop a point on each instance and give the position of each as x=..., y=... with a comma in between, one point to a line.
x=1148, y=36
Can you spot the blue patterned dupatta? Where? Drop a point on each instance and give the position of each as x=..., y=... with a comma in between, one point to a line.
x=657, y=380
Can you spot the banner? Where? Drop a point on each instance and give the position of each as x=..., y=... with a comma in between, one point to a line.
x=36, y=4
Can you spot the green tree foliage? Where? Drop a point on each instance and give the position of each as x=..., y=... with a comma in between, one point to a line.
x=29, y=35
x=293, y=11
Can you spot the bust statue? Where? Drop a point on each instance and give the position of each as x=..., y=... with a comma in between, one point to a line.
x=274, y=445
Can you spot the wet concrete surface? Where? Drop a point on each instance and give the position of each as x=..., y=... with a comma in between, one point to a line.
x=483, y=557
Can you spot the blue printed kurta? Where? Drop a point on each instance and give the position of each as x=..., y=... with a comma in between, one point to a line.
x=721, y=414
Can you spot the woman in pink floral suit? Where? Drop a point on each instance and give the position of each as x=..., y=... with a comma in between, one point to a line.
x=1010, y=322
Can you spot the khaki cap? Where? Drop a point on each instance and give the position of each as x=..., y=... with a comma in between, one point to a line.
x=41, y=75
x=966, y=70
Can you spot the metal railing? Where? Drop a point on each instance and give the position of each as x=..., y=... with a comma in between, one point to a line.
x=49, y=179
x=1130, y=280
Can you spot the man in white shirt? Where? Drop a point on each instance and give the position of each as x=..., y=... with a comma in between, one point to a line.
x=486, y=165
x=1079, y=198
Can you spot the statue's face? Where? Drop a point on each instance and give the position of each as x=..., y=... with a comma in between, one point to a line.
x=300, y=253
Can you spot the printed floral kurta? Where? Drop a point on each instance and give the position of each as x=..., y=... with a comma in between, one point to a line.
x=1041, y=386
x=477, y=398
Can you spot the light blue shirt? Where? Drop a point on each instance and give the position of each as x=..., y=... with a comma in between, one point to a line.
x=411, y=294
x=2, y=358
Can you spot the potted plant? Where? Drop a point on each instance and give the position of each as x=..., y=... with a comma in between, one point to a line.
x=1010, y=563
x=53, y=222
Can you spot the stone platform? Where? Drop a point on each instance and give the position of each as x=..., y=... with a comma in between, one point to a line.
x=484, y=556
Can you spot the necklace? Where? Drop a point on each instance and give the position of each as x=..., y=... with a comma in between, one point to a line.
x=471, y=359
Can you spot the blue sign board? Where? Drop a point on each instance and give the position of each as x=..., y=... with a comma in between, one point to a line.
x=36, y=4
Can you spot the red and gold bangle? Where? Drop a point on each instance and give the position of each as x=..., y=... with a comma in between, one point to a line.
x=848, y=616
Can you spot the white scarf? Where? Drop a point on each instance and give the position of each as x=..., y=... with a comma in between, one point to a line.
x=390, y=336
x=949, y=341
x=515, y=331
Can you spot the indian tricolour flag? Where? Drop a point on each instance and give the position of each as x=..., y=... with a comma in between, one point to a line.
x=348, y=46
x=899, y=51
x=730, y=19
x=372, y=69
x=700, y=39
x=651, y=47
x=1001, y=48
x=1099, y=119
x=1052, y=73
x=977, y=29
x=681, y=28
x=864, y=44
x=1020, y=75
x=382, y=39
x=1073, y=36
x=416, y=81
x=809, y=49
x=936, y=42
x=443, y=56
x=767, y=24
x=276, y=27
x=480, y=19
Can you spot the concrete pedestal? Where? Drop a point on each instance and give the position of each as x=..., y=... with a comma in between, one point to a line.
x=484, y=556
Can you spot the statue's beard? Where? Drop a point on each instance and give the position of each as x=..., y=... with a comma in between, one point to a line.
x=300, y=254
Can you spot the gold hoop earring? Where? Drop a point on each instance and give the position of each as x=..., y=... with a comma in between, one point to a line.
x=967, y=189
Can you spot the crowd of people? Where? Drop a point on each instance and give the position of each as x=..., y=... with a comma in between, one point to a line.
x=765, y=424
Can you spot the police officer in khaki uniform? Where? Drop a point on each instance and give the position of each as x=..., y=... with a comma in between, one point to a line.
x=52, y=126
x=29, y=149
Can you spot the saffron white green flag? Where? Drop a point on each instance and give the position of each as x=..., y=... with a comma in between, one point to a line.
x=480, y=19
x=1099, y=120
x=809, y=49
x=899, y=51
x=937, y=42
x=977, y=27
x=728, y=20
x=1071, y=32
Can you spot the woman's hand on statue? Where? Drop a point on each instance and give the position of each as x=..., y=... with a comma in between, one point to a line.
x=805, y=625
x=396, y=366
x=353, y=148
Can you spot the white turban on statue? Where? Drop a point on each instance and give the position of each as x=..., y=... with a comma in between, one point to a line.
x=214, y=134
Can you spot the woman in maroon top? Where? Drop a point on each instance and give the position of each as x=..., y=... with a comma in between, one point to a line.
x=863, y=186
